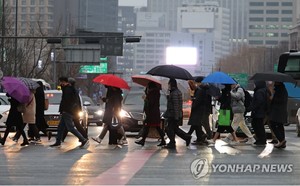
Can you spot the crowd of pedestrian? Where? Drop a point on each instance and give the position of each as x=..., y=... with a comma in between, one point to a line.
x=268, y=106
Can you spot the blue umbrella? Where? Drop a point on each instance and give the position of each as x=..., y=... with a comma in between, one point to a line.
x=219, y=78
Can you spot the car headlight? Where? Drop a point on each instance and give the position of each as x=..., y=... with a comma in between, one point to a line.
x=123, y=113
x=99, y=112
x=80, y=114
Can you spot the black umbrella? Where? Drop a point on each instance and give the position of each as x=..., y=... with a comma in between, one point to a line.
x=170, y=71
x=273, y=76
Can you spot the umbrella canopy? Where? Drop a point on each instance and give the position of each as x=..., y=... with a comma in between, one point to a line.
x=219, y=78
x=111, y=80
x=273, y=76
x=170, y=71
x=16, y=89
x=31, y=84
x=144, y=80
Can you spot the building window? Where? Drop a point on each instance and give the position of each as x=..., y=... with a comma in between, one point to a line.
x=256, y=12
x=272, y=19
x=271, y=34
x=256, y=19
x=32, y=2
x=272, y=27
x=287, y=3
x=256, y=26
x=287, y=12
x=256, y=4
x=23, y=2
x=23, y=9
x=256, y=34
x=256, y=42
x=269, y=42
x=272, y=12
x=284, y=35
x=286, y=19
x=272, y=3
x=32, y=10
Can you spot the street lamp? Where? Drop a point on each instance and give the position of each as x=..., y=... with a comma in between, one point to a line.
x=53, y=41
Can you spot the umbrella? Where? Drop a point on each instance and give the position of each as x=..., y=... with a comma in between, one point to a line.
x=219, y=78
x=31, y=84
x=16, y=89
x=273, y=76
x=170, y=71
x=111, y=80
x=144, y=80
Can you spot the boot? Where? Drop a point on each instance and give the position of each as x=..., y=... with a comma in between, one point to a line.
x=140, y=142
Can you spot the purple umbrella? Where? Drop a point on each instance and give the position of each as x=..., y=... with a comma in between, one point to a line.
x=16, y=89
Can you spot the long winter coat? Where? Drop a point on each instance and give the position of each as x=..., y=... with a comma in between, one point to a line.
x=278, y=108
x=14, y=117
x=113, y=104
x=201, y=106
x=174, y=104
x=29, y=113
x=40, y=107
x=258, y=106
x=151, y=107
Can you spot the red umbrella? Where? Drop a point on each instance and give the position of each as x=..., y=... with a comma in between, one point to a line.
x=144, y=80
x=111, y=80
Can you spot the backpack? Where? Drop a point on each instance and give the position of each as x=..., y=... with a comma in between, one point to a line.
x=248, y=99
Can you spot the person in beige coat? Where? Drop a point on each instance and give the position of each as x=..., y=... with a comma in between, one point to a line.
x=29, y=118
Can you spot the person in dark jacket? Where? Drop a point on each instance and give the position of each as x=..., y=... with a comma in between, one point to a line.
x=258, y=108
x=14, y=118
x=200, y=111
x=278, y=113
x=67, y=108
x=152, y=112
x=174, y=115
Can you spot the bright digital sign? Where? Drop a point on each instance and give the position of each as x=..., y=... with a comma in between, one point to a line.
x=181, y=55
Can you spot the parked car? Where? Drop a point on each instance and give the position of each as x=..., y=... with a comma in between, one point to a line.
x=4, y=109
x=95, y=112
x=52, y=116
x=132, y=110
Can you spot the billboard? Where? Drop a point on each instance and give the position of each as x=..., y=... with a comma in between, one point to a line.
x=181, y=55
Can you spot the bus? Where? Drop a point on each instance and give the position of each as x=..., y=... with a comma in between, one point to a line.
x=289, y=63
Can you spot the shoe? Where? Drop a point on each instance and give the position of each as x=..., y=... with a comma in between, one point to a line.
x=37, y=141
x=211, y=141
x=281, y=144
x=170, y=146
x=14, y=139
x=162, y=143
x=85, y=144
x=55, y=145
x=25, y=143
x=140, y=142
x=226, y=140
x=97, y=139
x=49, y=134
x=250, y=141
x=30, y=139
x=188, y=140
x=273, y=141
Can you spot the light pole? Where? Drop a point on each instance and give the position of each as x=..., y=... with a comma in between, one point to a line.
x=53, y=56
x=16, y=40
x=3, y=34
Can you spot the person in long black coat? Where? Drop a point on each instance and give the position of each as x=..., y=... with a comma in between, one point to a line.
x=278, y=113
x=14, y=118
x=258, y=108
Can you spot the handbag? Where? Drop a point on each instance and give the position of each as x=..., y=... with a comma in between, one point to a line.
x=224, y=117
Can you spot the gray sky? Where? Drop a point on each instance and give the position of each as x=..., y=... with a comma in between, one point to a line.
x=137, y=3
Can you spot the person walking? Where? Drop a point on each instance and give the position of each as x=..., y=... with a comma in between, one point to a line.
x=113, y=105
x=29, y=118
x=40, y=110
x=76, y=117
x=258, y=108
x=174, y=114
x=152, y=112
x=238, y=109
x=14, y=118
x=67, y=108
x=278, y=113
x=200, y=111
x=225, y=104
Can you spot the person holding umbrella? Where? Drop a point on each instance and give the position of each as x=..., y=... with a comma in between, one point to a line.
x=278, y=113
x=152, y=111
x=173, y=115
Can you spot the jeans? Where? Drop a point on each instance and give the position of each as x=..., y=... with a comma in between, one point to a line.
x=66, y=121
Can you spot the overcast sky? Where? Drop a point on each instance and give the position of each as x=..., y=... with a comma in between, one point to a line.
x=137, y=3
